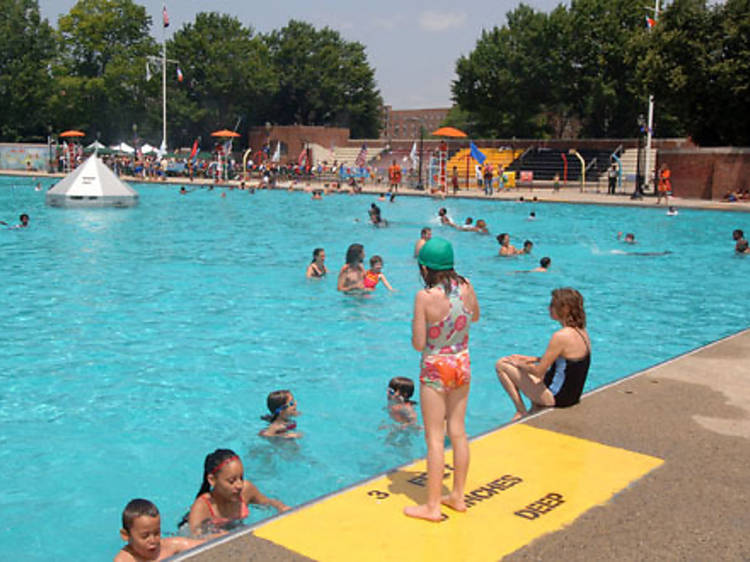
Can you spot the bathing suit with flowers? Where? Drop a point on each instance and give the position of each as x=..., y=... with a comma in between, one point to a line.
x=371, y=279
x=445, y=361
x=217, y=521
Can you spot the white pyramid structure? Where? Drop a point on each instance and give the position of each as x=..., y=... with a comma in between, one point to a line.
x=92, y=184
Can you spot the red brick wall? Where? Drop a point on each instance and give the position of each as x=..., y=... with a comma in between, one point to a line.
x=706, y=173
x=295, y=136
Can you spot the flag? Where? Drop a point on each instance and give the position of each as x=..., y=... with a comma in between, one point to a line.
x=162, y=148
x=164, y=15
x=194, y=151
x=277, y=153
x=650, y=22
x=413, y=154
x=148, y=72
x=361, y=157
x=302, y=160
x=180, y=77
x=228, y=147
x=477, y=154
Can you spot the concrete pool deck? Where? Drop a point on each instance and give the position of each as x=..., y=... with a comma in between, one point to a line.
x=568, y=194
x=691, y=412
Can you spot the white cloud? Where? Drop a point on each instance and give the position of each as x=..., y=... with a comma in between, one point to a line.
x=432, y=20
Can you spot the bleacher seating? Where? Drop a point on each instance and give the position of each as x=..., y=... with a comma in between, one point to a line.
x=495, y=156
x=348, y=154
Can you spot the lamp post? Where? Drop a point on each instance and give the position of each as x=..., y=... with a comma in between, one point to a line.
x=49, y=149
x=638, y=191
x=419, y=185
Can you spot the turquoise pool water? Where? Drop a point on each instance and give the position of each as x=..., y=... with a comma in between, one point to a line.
x=136, y=341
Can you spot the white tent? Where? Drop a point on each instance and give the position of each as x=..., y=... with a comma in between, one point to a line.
x=123, y=147
x=148, y=149
x=92, y=184
x=95, y=145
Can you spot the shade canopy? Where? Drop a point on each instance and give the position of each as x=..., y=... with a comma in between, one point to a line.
x=123, y=147
x=72, y=133
x=449, y=132
x=225, y=133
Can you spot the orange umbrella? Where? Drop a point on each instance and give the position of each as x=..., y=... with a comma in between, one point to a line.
x=72, y=133
x=224, y=133
x=449, y=132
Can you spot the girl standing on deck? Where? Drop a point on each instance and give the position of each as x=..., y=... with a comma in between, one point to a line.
x=443, y=312
x=224, y=494
x=557, y=377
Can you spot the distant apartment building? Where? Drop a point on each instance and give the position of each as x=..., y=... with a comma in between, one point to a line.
x=405, y=123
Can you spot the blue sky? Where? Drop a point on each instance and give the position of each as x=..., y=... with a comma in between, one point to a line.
x=413, y=46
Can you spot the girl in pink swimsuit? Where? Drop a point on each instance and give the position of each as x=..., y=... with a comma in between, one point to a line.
x=443, y=311
x=283, y=408
x=224, y=495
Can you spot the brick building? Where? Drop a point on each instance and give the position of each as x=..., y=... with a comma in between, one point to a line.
x=404, y=123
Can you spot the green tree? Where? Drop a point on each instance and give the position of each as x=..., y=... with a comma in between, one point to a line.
x=100, y=73
x=698, y=65
x=26, y=49
x=323, y=80
x=228, y=77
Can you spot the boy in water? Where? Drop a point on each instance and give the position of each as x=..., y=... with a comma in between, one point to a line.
x=141, y=527
x=24, y=218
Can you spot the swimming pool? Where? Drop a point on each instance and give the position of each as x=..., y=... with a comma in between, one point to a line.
x=137, y=341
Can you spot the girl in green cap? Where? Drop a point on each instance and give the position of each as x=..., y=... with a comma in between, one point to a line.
x=443, y=312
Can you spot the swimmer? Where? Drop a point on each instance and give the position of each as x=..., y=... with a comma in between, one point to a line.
x=468, y=224
x=629, y=237
x=283, y=408
x=400, y=406
x=38, y=186
x=317, y=194
x=141, y=528
x=24, y=222
x=444, y=219
x=555, y=379
x=443, y=313
x=672, y=212
x=317, y=267
x=737, y=235
x=506, y=248
x=375, y=274
x=481, y=227
x=351, y=275
x=381, y=197
x=527, y=247
x=742, y=247
x=375, y=217
x=544, y=264
x=424, y=236
x=224, y=494
x=532, y=216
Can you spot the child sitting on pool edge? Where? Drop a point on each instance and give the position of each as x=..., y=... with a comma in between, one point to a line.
x=282, y=407
x=400, y=407
x=375, y=274
x=141, y=528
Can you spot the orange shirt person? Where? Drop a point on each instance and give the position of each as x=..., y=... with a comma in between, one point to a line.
x=665, y=184
x=394, y=176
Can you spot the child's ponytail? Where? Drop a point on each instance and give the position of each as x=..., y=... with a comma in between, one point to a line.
x=275, y=402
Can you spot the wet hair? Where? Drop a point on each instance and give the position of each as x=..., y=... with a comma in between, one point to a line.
x=137, y=508
x=22, y=217
x=442, y=277
x=481, y=223
x=375, y=259
x=213, y=463
x=568, y=305
x=274, y=402
x=527, y=243
x=544, y=262
x=630, y=236
x=316, y=252
x=442, y=212
x=403, y=385
x=354, y=254
x=468, y=220
x=500, y=237
x=532, y=214
x=425, y=230
x=737, y=234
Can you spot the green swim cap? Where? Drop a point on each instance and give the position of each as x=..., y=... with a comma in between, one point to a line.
x=437, y=254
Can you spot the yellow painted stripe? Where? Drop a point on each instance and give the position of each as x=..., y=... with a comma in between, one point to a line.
x=523, y=483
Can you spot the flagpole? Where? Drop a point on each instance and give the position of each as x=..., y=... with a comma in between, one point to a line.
x=650, y=125
x=164, y=89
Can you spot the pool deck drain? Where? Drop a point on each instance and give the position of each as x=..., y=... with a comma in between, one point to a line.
x=651, y=467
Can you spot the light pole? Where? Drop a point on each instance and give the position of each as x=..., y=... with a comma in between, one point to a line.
x=49, y=149
x=638, y=191
x=419, y=185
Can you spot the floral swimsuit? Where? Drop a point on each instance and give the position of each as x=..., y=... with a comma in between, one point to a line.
x=445, y=363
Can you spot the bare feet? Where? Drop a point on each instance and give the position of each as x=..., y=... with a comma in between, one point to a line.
x=517, y=416
x=423, y=512
x=457, y=504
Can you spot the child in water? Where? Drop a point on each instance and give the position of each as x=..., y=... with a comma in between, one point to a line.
x=443, y=312
x=224, y=494
x=283, y=408
x=141, y=528
x=375, y=274
x=400, y=407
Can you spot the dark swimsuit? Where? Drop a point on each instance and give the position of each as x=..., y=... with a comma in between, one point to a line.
x=317, y=272
x=566, y=377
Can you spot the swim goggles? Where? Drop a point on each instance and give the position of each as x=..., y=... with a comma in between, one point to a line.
x=283, y=407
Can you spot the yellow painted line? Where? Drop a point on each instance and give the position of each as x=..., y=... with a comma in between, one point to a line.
x=523, y=483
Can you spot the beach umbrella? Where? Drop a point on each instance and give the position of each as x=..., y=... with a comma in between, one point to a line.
x=225, y=133
x=449, y=132
x=72, y=133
